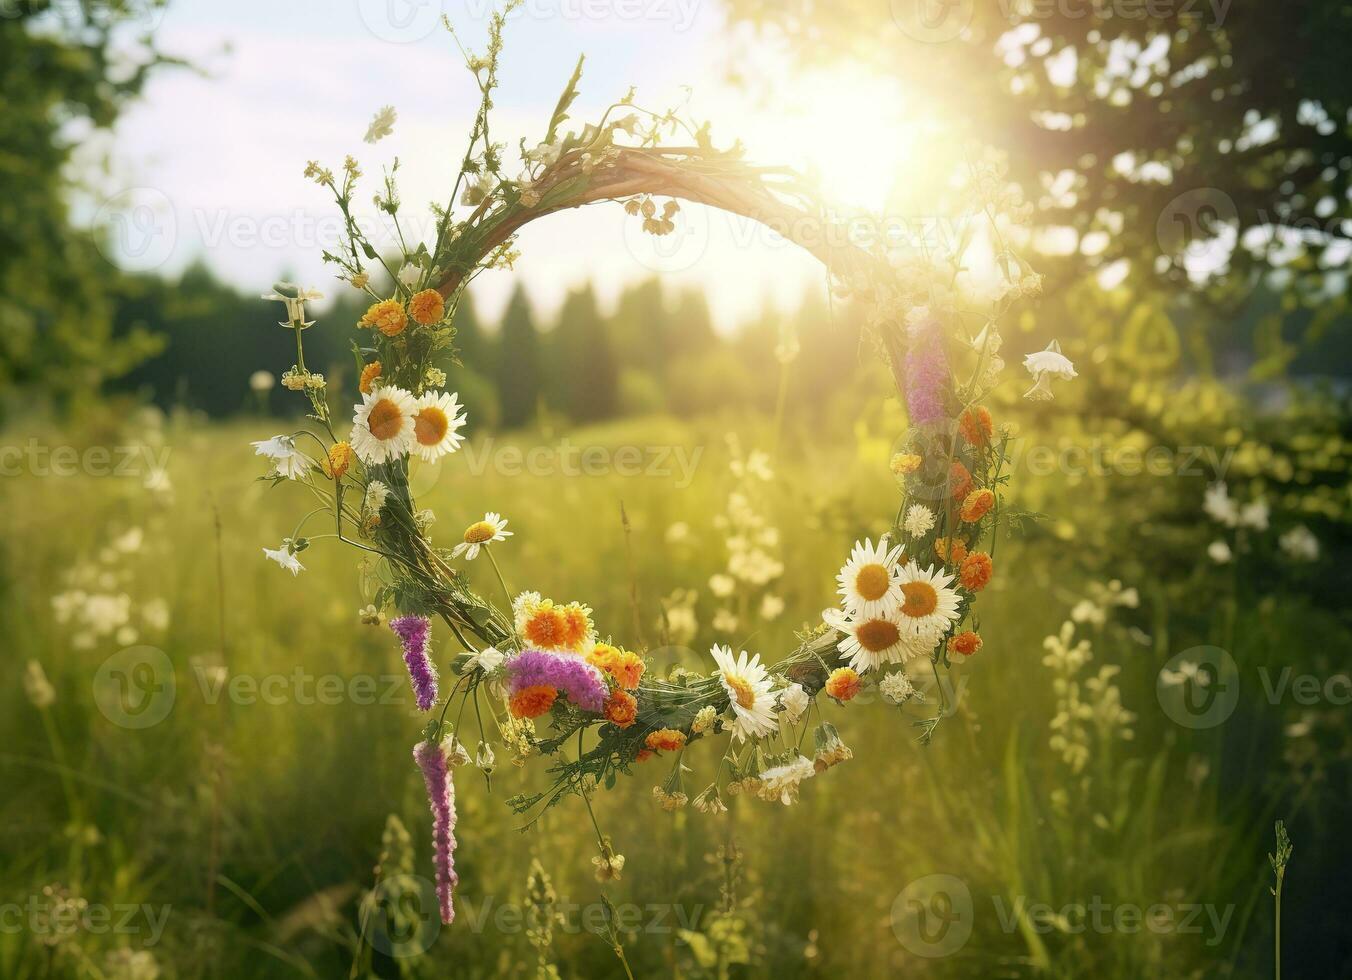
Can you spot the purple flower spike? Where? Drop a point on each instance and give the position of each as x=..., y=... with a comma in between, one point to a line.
x=583, y=683
x=926, y=374
x=413, y=632
x=441, y=797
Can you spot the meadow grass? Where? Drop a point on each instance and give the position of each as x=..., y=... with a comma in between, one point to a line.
x=254, y=811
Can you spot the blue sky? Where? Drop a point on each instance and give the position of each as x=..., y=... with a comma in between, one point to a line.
x=216, y=157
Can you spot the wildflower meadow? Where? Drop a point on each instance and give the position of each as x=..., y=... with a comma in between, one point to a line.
x=973, y=606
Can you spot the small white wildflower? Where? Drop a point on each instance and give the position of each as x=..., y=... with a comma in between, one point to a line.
x=704, y=719
x=1300, y=543
x=771, y=606
x=794, y=700
x=1254, y=515
x=35, y=684
x=376, y=495
x=897, y=688
x=382, y=124
x=1219, y=552
x=722, y=585
x=1219, y=506
x=1045, y=365
x=488, y=660
x=286, y=558
x=919, y=520
x=287, y=460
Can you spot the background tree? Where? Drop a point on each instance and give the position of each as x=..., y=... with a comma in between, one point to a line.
x=1141, y=128
x=62, y=74
x=518, y=367
x=582, y=361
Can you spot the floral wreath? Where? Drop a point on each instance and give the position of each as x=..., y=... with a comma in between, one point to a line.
x=550, y=682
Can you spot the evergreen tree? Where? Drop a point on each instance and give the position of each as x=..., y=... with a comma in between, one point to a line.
x=582, y=365
x=518, y=368
x=640, y=327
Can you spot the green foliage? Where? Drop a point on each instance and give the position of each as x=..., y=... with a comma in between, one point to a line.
x=1244, y=107
x=61, y=78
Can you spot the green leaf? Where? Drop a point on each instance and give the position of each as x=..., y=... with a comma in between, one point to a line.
x=565, y=100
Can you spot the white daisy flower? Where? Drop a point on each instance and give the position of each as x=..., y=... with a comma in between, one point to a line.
x=919, y=520
x=381, y=125
x=1300, y=543
x=748, y=687
x=382, y=426
x=286, y=558
x=871, y=641
x=868, y=581
x=436, y=425
x=287, y=460
x=929, y=602
x=794, y=700
x=492, y=528
x=1045, y=365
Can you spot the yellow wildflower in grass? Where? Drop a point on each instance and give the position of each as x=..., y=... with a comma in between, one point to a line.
x=427, y=307
x=976, y=504
x=843, y=684
x=369, y=374
x=665, y=740
x=905, y=463
x=339, y=460
x=387, y=316
x=624, y=666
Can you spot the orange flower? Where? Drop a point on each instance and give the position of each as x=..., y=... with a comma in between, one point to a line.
x=625, y=667
x=621, y=709
x=843, y=684
x=975, y=571
x=976, y=425
x=577, y=625
x=338, y=461
x=975, y=506
x=965, y=643
x=546, y=628
x=959, y=550
x=427, y=307
x=959, y=479
x=369, y=373
x=903, y=463
x=533, y=701
x=387, y=316
x=665, y=740
x=643, y=754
